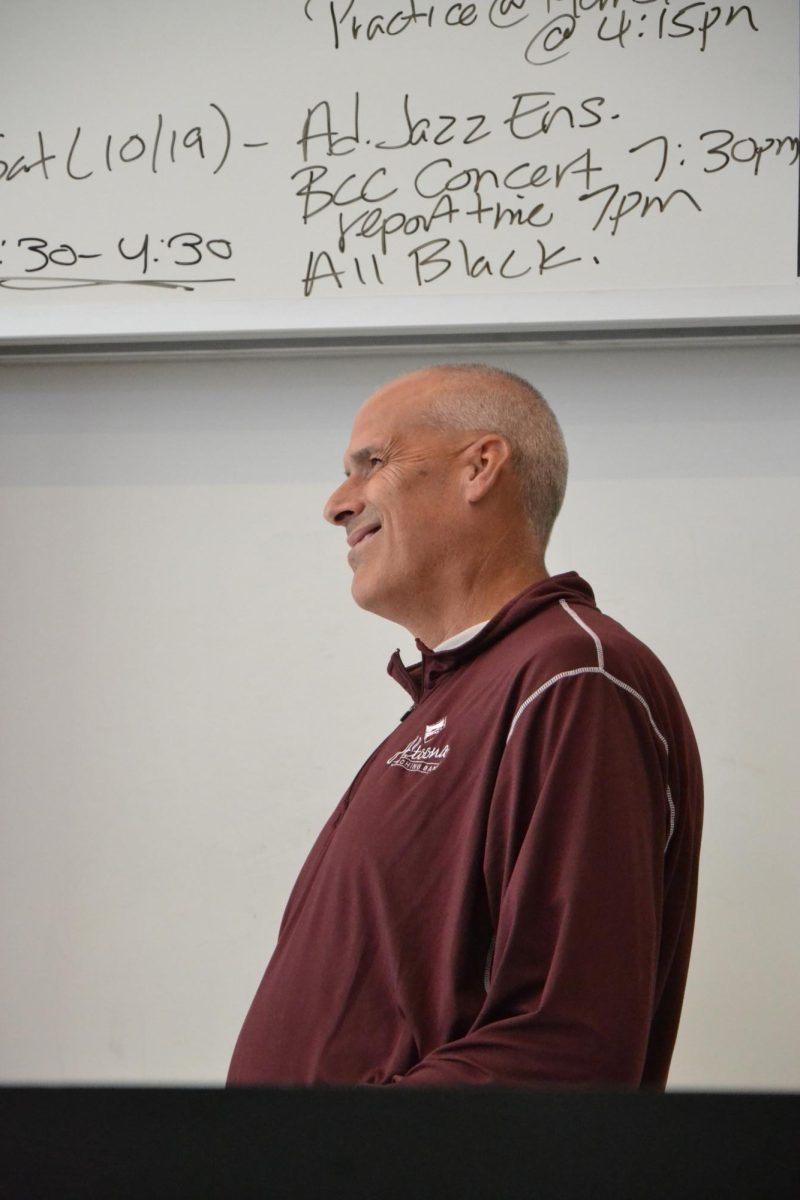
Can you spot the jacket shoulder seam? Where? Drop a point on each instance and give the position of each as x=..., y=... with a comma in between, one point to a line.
x=600, y=669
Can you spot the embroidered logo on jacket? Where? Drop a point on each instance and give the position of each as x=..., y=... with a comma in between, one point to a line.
x=432, y=730
x=418, y=755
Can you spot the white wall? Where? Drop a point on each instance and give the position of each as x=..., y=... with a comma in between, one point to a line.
x=186, y=686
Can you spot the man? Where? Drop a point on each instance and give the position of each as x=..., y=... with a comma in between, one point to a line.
x=506, y=892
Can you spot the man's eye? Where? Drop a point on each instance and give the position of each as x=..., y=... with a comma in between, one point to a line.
x=373, y=462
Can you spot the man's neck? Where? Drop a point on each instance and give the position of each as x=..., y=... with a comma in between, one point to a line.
x=474, y=606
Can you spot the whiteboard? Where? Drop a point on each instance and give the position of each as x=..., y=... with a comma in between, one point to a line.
x=264, y=170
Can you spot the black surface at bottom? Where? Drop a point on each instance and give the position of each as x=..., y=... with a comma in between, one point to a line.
x=493, y=1143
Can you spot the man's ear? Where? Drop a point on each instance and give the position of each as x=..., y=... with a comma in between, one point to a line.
x=486, y=460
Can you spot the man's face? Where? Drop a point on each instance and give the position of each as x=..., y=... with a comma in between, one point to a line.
x=400, y=501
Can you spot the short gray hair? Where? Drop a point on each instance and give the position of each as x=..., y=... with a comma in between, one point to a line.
x=479, y=397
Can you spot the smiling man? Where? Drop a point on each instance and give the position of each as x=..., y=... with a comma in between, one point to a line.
x=506, y=892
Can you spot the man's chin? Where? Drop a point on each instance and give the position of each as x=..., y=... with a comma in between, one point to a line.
x=368, y=596
x=362, y=593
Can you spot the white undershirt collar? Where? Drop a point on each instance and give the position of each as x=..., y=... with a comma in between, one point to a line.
x=458, y=639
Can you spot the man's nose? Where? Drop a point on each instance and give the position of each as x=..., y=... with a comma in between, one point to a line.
x=343, y=503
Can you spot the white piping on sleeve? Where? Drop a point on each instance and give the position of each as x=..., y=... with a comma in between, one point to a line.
x=535, y=695
x=597, y=644
x=600, y=670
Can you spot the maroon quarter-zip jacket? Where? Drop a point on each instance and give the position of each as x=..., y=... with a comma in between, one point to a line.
x=506, y=892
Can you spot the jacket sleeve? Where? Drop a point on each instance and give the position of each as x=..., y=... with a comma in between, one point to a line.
x=573, y=869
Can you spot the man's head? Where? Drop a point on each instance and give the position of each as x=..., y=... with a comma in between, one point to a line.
x=454, y=478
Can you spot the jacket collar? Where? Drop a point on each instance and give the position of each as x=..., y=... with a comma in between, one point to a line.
x=421, y=677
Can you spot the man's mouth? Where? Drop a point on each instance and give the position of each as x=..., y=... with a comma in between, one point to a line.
x=359, y=538
x=361, y=535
